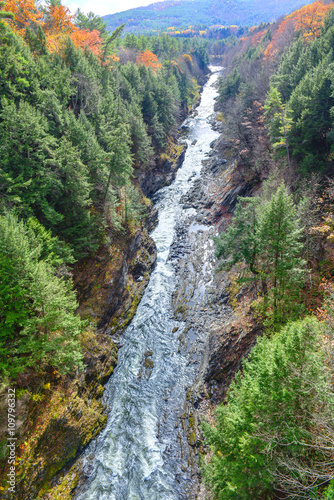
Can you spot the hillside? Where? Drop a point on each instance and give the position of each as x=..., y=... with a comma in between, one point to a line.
x=272, y=436
x=182, y=13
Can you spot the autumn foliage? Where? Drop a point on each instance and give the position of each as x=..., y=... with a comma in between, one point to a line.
x=148, y=59
x=187, y=58
x=57, y=24
x=25, y=14
x=309, y=20
x=258, y=37
x=282, y=37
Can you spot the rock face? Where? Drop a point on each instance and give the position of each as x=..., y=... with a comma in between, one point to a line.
x=59, y=417
x=163, y=172
x=111, y=284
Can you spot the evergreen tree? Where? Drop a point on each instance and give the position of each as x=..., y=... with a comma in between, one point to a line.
x=278, y=116
x=240, y=241
x=267, y=237
x=120, y=159
x=311, y=103
x=269, y=434
x=27, y=152
x=229, y=85
x=37, y=321
x=279, y=235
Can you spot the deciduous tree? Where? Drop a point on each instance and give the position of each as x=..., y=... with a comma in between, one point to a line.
x=149, y=60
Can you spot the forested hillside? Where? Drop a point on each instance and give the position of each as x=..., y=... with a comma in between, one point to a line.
x=89, y=122
x=77, y=123
x=202, y=14
x=273, y=436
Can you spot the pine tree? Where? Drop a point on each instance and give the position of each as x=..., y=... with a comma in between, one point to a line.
x=120, y=158
x=37, y=321
x=267, y=237
x=278, y=116
x=275, y=430
x=279, y=235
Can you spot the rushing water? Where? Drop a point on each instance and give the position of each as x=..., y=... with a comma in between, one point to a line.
x=132, y=459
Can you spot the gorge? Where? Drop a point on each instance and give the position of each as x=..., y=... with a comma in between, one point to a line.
x=138, y=454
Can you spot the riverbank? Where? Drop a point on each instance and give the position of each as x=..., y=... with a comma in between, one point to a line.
x=220, y=329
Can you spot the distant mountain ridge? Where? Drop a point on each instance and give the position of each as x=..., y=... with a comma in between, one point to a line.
x=159, y=16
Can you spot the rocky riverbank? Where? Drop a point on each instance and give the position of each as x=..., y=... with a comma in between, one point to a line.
x=220, y=329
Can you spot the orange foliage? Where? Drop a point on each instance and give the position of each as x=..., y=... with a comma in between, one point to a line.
x=148, y=59
x=110, y=60
x=25, y=13
x=58, y=26
x=88, y=39
x=258, y=37
x=58, y=20
x=176, y=64
x=310, y=19
x=282, y=37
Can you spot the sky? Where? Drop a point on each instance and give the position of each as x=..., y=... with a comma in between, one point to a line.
x=103, y=7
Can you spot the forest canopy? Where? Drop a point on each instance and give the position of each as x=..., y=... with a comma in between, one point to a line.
x=272, y=436
x=81, y=113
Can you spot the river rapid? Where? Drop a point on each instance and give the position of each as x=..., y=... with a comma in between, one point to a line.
x=141, y=453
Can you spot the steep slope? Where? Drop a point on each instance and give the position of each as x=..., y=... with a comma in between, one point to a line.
x=182, y=13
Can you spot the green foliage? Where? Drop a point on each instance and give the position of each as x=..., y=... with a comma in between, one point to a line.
x=329, y=491
x=133, y=207
x=90, y=22
x=311, y=103
x=266, y=235
x=73, y=132
x=52, y=249
x=278, y=116
x=267, y=435
x=37, y=320
x=305, y=79
x=239, y=242
x=229, y=86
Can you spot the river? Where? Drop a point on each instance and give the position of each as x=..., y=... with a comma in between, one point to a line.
x=137, y=456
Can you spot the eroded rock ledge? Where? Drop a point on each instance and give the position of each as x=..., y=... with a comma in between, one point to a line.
x=220, y=329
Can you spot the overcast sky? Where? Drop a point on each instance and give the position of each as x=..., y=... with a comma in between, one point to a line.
x=103, y=7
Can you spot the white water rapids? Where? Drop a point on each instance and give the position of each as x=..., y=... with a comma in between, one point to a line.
x=133, y=458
